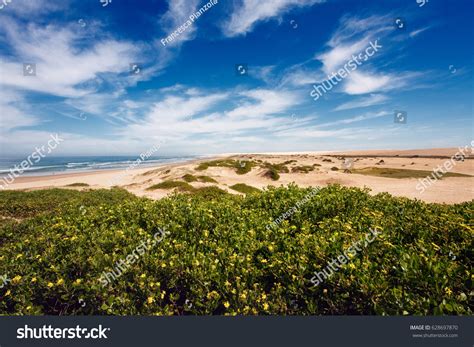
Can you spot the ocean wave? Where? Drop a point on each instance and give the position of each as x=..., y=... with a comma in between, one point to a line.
x=32, y=168
x=62, y=165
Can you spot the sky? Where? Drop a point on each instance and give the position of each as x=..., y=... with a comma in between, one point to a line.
x=108, y=78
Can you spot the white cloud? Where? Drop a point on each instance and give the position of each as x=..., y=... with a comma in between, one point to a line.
x=13, y=113
x=178, y=13
x=356, y=119
x=359, y=82
x=371, y=100
x=249, y=12
x=187, y=118
x=263, y=102
x=418, y=31
x=62, y=68
x=351, y=37
x=337, y=56
x=364, y=82
x=29, y=8
x=353, y=29
x=299, y=76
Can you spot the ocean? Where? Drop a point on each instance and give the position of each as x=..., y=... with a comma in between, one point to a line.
x=53, y=165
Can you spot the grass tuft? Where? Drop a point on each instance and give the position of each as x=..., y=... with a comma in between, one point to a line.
x=244, y=188
x=182, y=186
x=77, y=184
x=402, y=173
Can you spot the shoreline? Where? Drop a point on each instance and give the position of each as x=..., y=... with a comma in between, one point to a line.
x=23, y=179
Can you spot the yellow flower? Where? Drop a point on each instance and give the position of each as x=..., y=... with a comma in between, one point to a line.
x=226, y=304
x=19, y=256
x=163, y=265
x=212, y=294
x=243, y=296
x=33, y=279
x=59, y=282
x=265, y=306
x=50, y=284
x=78, y=281
x=142, y=276
x=16, y=279
x=163, y=294
x=448, y=291
x=150, y=300
x=270, y=248
x=8, y=292
x=352, y=266
x=227, y=283
x=263, y=260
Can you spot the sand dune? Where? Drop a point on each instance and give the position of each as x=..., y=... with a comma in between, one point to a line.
x=446, y=190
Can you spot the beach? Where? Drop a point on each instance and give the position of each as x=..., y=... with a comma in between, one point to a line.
x=351, y=169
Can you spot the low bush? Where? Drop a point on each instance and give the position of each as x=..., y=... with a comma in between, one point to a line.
x=244, y=188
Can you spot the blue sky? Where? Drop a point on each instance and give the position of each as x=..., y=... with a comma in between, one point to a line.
x=188, y=95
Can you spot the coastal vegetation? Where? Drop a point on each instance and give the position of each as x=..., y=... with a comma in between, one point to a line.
x=402, y=173
x=219, y=257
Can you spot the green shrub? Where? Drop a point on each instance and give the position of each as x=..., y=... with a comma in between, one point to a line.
x=182, y=186
x=190, y=178
x=281, y=168
x=303, y=168
x=241, y=166
x=211, y=192
x=77, y=185
x=205, y=179
x=244, y=188
x=272, y=173
x=403, y=173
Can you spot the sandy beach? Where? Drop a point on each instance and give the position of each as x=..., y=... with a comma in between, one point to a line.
x=446, y=190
